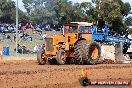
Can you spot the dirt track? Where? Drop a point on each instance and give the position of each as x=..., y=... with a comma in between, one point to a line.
x=28, y=74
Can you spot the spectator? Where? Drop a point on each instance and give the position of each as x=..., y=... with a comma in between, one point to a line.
x=37, y=48
x=121, y=34
x=126, y=33
x=54, y=34
x=4, y=36
x=25, y=36
x=9, y=38
x=14, y=38
x=29, y=39
x=2, y=28
x=21, y=49
x=30, y=25
x=44, y=35
x=24, y=50
x=39, y=36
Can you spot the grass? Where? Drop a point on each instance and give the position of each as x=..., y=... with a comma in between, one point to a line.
x=29, y=45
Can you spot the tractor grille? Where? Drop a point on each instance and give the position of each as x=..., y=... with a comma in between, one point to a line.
x=49, y=44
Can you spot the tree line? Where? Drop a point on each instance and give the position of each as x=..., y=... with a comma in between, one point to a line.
x=57, y=12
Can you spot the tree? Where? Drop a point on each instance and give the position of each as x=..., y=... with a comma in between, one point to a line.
x=61, y=11
x=31, y=5
x=40, y=11
x=28, y=4
x=112, y=11
x=67, y=12
x=125, y=7
x=6, y=10
x=128, y=21
x=40, y=15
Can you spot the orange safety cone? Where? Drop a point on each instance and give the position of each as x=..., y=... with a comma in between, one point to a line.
x=84, y=81
x=84, y=73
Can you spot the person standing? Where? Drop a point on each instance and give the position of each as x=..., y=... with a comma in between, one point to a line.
x=44, y=35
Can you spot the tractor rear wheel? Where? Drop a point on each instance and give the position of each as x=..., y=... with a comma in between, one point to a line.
x=61, y=57
x=41, y=57
x=93, y=52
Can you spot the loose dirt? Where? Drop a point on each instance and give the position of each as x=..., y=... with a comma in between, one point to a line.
x=28, y=74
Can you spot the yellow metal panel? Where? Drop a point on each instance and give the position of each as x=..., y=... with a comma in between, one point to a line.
x=66, y=46
x=72, y=37
x=57, y=39
x=50, y=53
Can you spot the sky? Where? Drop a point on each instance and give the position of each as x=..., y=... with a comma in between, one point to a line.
x=20, y=4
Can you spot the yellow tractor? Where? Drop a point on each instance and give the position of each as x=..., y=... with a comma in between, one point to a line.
x=75, y=44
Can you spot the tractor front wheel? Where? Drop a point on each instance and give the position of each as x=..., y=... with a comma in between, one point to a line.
x=61, y=57
x=41, y=57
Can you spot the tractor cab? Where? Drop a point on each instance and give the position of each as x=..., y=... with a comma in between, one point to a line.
x=78, y=27
x=82, y=30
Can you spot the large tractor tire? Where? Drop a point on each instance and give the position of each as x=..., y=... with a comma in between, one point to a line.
x=93, y=52
x=41, y=57
x=78, y=52
x=61, y=57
